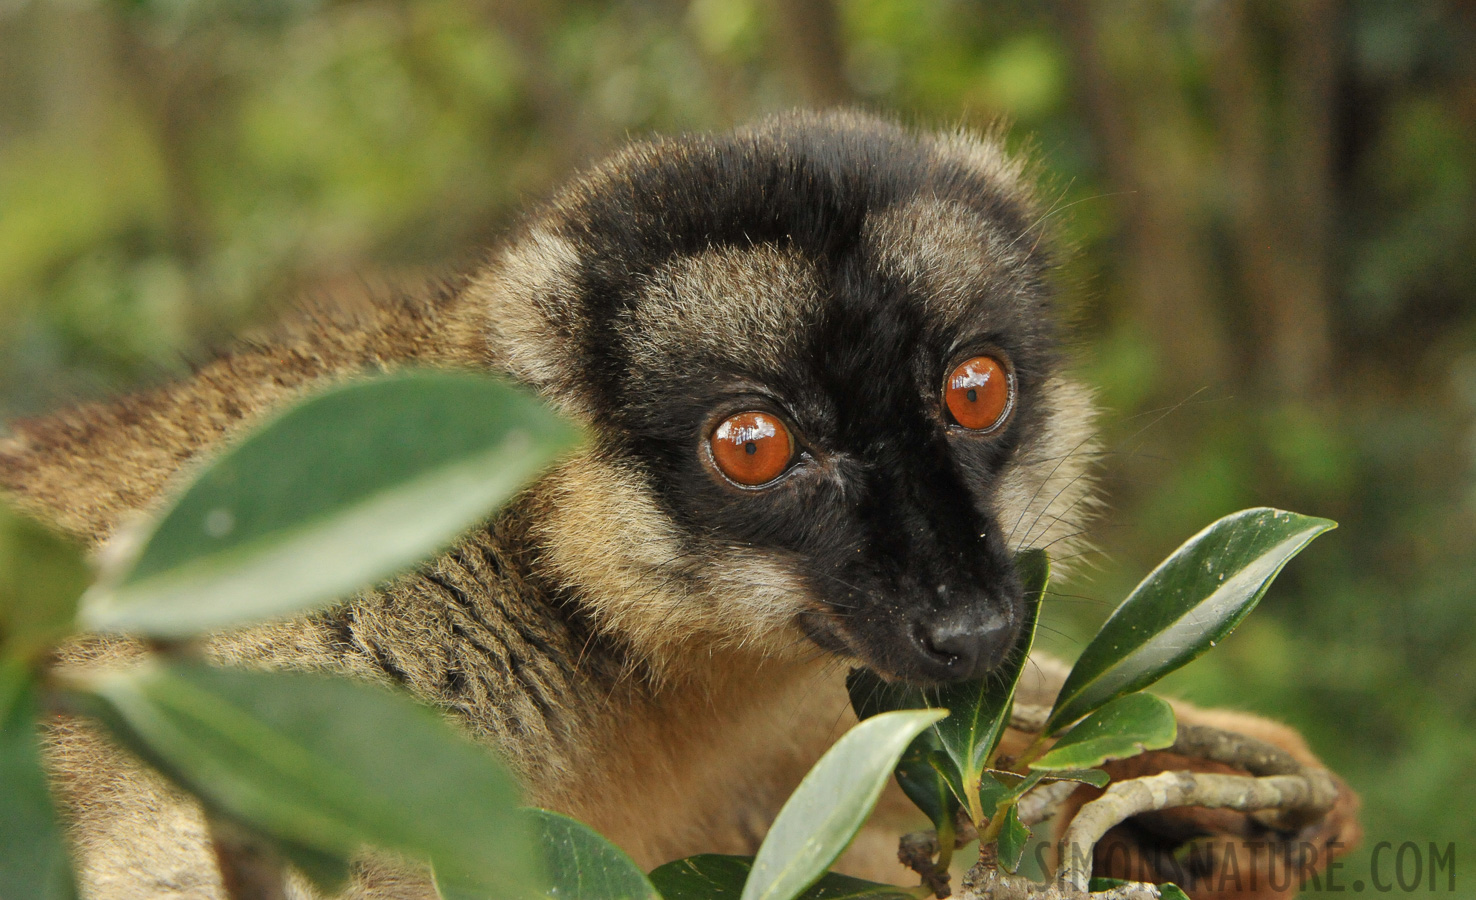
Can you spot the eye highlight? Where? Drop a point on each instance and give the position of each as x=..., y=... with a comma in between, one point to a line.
x=979, y=393
x=751, y=448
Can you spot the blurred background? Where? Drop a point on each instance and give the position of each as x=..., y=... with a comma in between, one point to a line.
x=1272, y=210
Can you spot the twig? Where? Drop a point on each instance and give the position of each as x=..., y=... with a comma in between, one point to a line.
x=989, y=883
x=917, y=851
x=1277, y=784
x=1255, y=756
x=1045, y=801
x=1312, y=791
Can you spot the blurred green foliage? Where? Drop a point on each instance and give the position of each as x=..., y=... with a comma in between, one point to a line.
x=1271, y=209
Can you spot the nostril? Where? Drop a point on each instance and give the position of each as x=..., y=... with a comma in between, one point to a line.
x=949, y=639
x=967, y=641
x=951, y=642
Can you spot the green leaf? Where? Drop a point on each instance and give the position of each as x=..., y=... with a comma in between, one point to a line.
x=582, y=865
x=1171, y=891
x=921, y=779
x=1125, y=727
x=329, y=872
x=323, y=764
x=709, y=876
x=1093, y=777
x=41, y=578
x=1185, y=606
x=831, y=803
x=940, y=763
x=1097, y=885
x=33, y=854
x=344, y=489
x=1013, y=838
x=992, y=792
x=924, y=784
x=980, y=709
x=712, y=876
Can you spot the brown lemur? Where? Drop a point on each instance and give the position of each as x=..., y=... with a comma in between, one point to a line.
x=818, y=362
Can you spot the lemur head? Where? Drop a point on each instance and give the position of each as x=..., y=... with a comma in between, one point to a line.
x=818, y=361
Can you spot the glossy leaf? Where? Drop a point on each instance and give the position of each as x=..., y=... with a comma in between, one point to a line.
x=980, y=709
x=324, y=764
x=329, y=872
x=831, y=803
x=345, y=489
x=41, y=578
x=712, y=876
x=1191, y=601
x=992, y=792
x=952, y=779
x=1093, y=777
x=924, y=784
x=921, y=779
x=1013, y=838
x=582, y=865
x=1171, y=891
x=33, y=854
x=1125, y=727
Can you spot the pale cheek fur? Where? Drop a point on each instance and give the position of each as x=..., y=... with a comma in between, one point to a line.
x=606, y=535
x=1047, y=495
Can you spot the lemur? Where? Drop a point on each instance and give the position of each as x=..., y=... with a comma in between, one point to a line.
x=818, y=362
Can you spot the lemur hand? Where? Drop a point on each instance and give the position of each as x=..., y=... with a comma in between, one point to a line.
x=1218, y=854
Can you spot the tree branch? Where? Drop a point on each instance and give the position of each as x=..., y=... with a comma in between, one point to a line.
x=1311, y=792
x=989, y=883
x=1278, y=783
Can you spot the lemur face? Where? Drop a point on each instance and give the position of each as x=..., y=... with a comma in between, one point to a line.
x=818, y=359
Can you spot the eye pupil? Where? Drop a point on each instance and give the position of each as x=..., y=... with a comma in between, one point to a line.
x=979, y=393
x=751, y=448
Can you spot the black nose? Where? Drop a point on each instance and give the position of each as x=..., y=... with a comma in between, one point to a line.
x=965, y=643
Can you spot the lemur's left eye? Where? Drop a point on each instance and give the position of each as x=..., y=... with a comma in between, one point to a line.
x=751, y=448
x=979, y=393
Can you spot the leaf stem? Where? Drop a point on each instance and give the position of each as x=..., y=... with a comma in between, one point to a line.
x=1033, y=751
x=946, y=837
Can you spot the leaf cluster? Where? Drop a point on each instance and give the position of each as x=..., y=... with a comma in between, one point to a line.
x=1178, y=612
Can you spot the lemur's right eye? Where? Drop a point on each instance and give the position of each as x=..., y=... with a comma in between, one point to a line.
x=979, y=393
x=751, y=448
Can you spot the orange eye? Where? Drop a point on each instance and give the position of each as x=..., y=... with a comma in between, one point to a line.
x=977, y=393
x=751, y=448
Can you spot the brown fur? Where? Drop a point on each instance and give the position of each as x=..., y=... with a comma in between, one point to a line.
x=672, y=704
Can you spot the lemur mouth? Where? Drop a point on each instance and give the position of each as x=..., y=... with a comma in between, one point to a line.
x=937, y=650
x=822, y=633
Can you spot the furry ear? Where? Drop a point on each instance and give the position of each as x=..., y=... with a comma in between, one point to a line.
x=529, y=296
